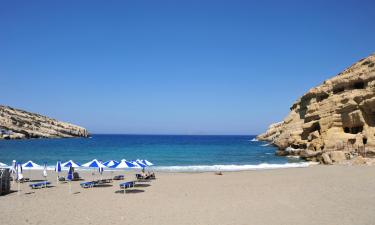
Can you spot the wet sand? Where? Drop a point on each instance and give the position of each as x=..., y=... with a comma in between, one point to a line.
x=315, y=195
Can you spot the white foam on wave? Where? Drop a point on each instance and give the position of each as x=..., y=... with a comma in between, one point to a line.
x=206, y=168
x=254, y=139
x=265, y=145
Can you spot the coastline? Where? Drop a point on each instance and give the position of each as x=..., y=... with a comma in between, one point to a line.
x=313, y=195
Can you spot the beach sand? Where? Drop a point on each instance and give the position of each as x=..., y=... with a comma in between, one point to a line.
x=315, y=195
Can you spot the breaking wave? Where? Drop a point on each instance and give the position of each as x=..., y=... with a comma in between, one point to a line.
x=214, y=168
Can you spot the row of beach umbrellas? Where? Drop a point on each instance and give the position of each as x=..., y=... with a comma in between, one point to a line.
x=17, y=167
x=113, y=164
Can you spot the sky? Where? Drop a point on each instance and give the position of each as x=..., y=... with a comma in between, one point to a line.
x=175, y=67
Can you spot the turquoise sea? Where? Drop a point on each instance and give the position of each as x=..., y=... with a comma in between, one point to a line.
x=183, y=153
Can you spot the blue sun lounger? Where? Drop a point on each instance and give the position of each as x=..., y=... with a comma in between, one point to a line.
x=88, y=184
x=40, y=184
x=127, y=185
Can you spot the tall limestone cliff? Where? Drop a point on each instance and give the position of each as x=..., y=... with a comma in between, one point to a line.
x=332, y=122
x=18, y=124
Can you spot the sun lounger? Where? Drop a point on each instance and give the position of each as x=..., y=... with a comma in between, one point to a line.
x=104, y=181
x=40, y=184
x=88, y=184
x=127, y=185
x=141, y=177
x=119, y=177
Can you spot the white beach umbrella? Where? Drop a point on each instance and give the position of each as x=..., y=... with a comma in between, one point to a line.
x=19, y=176
x=19, y=171
x=70, y=163
x=45, y=171
x=13, y=169
x=3, y=164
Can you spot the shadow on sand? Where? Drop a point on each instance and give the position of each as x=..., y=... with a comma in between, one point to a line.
x=132, y=191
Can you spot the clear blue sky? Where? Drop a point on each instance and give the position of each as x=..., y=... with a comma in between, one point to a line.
x=175, y=67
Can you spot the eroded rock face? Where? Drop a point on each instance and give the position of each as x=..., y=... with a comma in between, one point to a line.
x=19, y=124
x=338, y=115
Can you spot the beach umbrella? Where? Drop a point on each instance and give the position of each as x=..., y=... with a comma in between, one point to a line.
x=146, y=162
x=13, y=170
x=70, y=163
x=19, y=177
x=19, y=171
x=58, y=169
x=124, y=164
x=31, y=165
x=111, y=163
x=45, y=171
x=93, y=164
x=3, y=164
x=69, y=177
x=138, y=162
x=70, y=174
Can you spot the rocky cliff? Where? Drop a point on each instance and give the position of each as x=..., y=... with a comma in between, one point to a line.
x=332, y=122
x=18, y=124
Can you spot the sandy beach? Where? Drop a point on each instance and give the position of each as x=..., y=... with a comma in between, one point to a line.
x=314, y=195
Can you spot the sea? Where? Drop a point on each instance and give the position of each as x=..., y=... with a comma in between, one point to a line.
x=170, y=153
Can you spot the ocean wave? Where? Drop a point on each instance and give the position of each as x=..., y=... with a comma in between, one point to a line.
x=214, y=168
x=265, y=145
x=254, y=139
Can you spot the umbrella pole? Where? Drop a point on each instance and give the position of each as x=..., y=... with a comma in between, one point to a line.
x=70, y=187
x=18, y=188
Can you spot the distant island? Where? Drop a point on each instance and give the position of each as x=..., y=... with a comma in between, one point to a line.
x=333, y=122
x=19, y=124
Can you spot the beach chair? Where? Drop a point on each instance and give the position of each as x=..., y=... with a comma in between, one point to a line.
x=40, y=185
x=119, y=177
x=127, y=185
x=104, y=181
x=89, y=184
x=141, y=178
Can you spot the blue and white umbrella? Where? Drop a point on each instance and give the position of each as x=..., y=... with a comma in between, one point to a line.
x=31, y=165
x=93, y=164
x=70, y=174
x=58, y=169
x=111, y=163
x=124, y=164
x=146, y=162
x=70, y=163
x=69, y=177
x=140, y=163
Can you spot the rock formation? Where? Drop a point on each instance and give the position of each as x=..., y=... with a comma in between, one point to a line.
x=332, y=122
x=19, y=124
